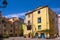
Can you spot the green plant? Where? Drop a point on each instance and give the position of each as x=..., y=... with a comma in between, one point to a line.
x=6, y=35
x=45, y=30
x=21, y=30
x=31, y=34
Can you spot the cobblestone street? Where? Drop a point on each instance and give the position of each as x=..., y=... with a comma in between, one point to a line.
x=21, y=38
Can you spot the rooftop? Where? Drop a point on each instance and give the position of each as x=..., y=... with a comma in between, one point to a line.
x=36, y=9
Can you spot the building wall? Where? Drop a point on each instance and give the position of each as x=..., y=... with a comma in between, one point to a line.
x=11, y=30
x=15, y=26
x=58, y=24
x=52, y=21
x=28, y=19
x=6, y=29
x=0, y=22
x=45, y=14
x=10, y=26
x=44, y=19
x=34, y=20
x=25, y=30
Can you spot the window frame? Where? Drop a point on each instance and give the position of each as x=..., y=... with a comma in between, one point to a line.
x=4, y=25
x=38, y=11
x=39, y=27
x=39, y=20
x=28, y=21
x=10, y=30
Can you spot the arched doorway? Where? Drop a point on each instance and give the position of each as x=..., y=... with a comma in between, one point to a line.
x=42, y=35
x=36, y=35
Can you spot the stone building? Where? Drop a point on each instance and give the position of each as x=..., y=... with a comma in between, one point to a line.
x=4, y=26
x=15, y=26
x=10, y=26
x=40, y=22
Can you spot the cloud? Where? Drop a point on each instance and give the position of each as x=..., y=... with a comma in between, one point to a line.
x=21, y=15
x=15, y=15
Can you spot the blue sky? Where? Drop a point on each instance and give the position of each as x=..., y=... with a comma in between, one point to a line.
x=17, y=8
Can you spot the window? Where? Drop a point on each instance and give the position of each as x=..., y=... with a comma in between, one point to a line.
x=39, y=20
x=16, y=34
x=4, y=25
x=4, y=30
x=28, y=22
x=10, y=30
x=29, y=27
x=39, y=27
x=39, y=12
x=11, y=25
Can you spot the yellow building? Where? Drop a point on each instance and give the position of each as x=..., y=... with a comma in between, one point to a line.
x=41, y=22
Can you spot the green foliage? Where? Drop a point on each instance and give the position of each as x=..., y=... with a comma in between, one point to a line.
x=21, y=30
x=49, y=31
x=31, y=34
x=6, y=35
x=45, y=30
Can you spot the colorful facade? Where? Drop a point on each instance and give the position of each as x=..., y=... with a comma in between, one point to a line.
x=41, y=22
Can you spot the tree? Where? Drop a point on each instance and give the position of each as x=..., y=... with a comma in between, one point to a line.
x=21, y=30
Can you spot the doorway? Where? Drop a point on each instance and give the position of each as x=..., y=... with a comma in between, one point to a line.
x=42, y=35
x=36, y=35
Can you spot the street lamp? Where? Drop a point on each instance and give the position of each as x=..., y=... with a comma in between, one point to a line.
x=4, y=4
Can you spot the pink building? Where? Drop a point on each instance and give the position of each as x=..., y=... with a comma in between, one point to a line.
x=58, y=24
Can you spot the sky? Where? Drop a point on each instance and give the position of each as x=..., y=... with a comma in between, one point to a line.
x=18, y=8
